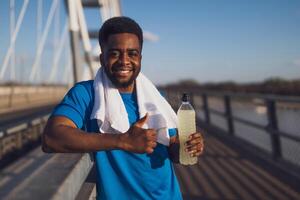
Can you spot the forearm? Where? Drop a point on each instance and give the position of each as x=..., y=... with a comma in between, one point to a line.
x=174, y=149
x=62, y=135
x=62, y=138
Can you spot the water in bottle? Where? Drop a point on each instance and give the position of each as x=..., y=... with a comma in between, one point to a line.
x=186, y=126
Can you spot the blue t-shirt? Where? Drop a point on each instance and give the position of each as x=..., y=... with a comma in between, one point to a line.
x=121, y=174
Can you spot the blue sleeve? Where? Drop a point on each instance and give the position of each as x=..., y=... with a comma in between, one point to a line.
x=75, y=105
x=172, y=132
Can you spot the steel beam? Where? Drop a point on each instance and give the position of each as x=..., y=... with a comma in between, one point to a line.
x=91, y=4
x=74, y=39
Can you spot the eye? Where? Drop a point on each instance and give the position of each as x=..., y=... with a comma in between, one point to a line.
x=114, y=54
x=133, y=53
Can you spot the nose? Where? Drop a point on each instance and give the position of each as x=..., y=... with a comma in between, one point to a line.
x=124, y=59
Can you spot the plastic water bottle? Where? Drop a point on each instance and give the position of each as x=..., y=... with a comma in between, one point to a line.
x=186, y=126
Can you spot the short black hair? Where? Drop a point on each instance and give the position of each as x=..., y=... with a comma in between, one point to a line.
x=117, y=25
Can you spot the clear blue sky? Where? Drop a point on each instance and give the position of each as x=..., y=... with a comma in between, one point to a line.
x=206, y=40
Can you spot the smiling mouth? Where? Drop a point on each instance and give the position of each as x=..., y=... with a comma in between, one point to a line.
x=122, y=72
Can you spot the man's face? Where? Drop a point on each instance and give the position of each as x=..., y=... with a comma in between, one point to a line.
x=121, y=59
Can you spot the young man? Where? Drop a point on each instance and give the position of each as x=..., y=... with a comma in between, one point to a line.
x=121, y=117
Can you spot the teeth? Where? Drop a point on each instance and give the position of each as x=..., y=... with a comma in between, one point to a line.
x=124, y=71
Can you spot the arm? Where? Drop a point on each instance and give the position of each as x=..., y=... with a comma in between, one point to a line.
x=62, y=135
x=174, y=149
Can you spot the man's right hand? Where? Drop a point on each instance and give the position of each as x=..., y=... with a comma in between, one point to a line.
x=139, y=140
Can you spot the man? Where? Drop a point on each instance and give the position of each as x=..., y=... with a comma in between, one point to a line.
x=133, y=164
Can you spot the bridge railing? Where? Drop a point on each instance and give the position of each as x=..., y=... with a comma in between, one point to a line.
x=269, y=122
x=64, y=175
x=15, y=137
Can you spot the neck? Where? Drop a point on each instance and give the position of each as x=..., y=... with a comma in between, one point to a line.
x=128, y=89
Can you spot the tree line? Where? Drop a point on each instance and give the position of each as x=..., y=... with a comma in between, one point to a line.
x=276, y=86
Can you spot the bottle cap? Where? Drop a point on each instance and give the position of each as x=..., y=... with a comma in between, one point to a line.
x=185, y=97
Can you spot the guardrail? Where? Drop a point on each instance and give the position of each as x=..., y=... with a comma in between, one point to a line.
x=64, y=175
x=17, y=136
x=223, y=107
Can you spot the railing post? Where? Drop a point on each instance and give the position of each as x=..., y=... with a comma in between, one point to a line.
x=1, y=144
x=192, y=99
x=228, y=114
x=205, y=108
x=18, y=138
x=272, y=128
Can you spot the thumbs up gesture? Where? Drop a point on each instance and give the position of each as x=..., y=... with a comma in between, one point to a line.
x=139, y=140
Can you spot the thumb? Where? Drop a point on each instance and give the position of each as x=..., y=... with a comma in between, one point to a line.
x=142, y=121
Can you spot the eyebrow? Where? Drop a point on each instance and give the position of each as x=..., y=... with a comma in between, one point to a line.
x=129, y=49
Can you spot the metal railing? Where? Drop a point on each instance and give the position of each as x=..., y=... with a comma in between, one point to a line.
x=15, y=137
x=268, y=104
x=68, y=182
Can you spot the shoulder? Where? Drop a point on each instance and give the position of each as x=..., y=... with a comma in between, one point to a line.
x=83, y=89
x=81, y=94
x=84, y=85
x=77, y=103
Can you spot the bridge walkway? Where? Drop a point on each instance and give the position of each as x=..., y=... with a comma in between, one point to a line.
x=225, y=172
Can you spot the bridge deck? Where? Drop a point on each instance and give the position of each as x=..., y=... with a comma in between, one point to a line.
x=222, y=173
x=225, y=173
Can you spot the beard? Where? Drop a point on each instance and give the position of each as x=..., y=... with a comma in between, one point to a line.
x=122, y=83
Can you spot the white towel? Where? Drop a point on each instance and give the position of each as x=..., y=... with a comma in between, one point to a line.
x=110, y=111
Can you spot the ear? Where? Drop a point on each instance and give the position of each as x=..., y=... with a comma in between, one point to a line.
x=101, y=56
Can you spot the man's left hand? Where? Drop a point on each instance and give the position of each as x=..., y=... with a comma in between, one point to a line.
x=195, y=144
